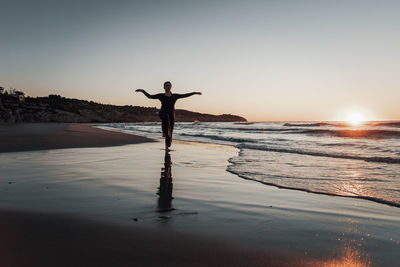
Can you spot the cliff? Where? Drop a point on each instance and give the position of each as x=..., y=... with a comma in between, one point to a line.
x=55, y=108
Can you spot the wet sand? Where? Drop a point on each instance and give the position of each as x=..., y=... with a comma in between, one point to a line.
x=36, y=239
x=134, y=205
x=43, y=136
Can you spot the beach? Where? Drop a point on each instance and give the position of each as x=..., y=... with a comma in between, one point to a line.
x=84, y=196
x=42, y=136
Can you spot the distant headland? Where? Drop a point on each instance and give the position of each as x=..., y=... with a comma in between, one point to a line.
x=15, y=107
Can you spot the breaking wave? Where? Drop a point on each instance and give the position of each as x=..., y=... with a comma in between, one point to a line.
x=370, y=198
x=321, y=154
x=352, y=133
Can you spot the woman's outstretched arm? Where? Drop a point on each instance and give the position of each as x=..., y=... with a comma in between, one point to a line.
x=147, y=94
x=188, y=94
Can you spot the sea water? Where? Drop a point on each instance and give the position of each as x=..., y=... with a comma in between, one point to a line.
x=332, y=158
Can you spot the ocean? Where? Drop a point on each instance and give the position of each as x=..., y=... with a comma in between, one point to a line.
x=333, y=158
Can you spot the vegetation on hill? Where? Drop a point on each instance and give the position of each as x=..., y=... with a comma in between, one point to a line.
x=15, y=107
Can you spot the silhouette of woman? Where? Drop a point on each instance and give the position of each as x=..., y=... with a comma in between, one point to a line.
x=167, y=112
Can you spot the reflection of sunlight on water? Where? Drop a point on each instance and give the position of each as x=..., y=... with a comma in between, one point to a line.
x=352, y=187
x=349, y=256
x=350, y=253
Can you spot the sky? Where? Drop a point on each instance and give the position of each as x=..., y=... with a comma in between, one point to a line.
x=265, y=60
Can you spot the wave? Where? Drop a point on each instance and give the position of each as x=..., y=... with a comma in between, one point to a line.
x=395, y=124
x=353, y=133
x=370, y=198
x=261, y=129
x=221, y=138
x=243, y=123
x=349, y=133
x=130, y=130
x=341, y=145
x=316, y=124
x=321, y=154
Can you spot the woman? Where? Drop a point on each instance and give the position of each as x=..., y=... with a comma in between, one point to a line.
x=167, y=112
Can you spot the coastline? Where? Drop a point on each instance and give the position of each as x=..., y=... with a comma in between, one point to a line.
x=44, y=136
x=228, y=220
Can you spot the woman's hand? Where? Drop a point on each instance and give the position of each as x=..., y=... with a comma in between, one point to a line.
x=139, y=90
x=197, y=93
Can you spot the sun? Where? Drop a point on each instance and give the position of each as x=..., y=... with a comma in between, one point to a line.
x=355, y=115
x=355, y=118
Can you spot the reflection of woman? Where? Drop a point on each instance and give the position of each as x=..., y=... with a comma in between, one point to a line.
x=167, y=112
x=165, y=189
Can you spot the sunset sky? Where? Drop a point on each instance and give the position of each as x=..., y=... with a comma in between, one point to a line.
x=264, y=60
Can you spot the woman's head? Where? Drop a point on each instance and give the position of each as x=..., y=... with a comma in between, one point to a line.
x=167, y=86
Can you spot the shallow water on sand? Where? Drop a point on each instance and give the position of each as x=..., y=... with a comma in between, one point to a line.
x=328, y=157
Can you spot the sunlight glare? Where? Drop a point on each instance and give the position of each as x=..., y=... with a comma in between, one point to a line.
x=355, y=118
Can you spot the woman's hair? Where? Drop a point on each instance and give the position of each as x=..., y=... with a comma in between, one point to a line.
x=167, y=82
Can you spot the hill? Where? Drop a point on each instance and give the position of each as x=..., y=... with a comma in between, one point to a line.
x=55, y=108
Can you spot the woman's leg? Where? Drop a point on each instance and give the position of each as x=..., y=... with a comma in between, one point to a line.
x=168, y=135
x=166, y=128
x=164, y=123
x=171, y=126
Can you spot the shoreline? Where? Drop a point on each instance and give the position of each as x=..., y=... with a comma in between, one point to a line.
x=367, y=198
x=45, y=136
x=82, y=135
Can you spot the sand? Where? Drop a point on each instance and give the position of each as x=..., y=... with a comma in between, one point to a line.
x=107, y=206
x=37, y=239
x=43, y=136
